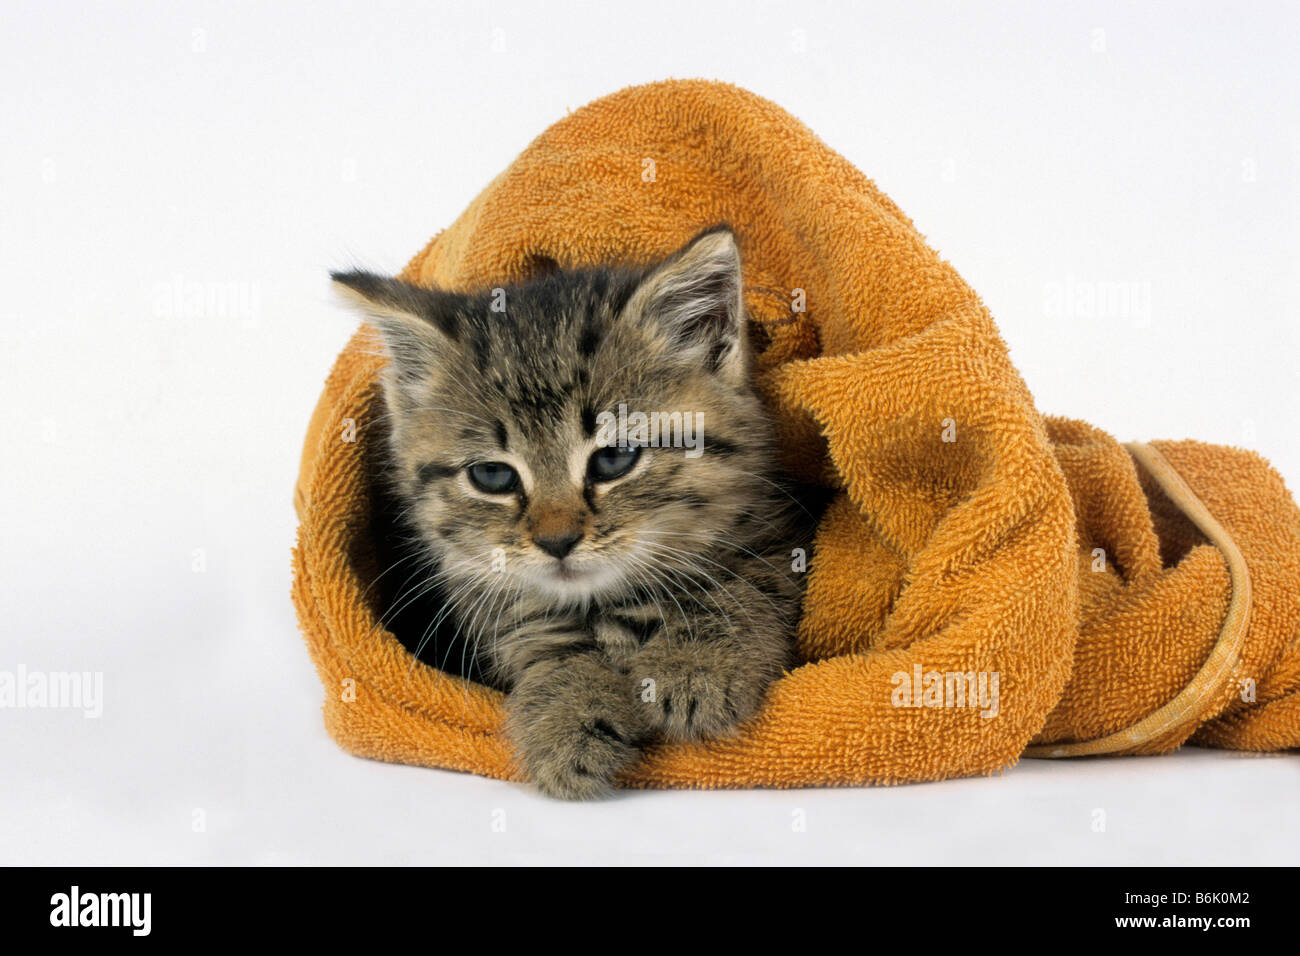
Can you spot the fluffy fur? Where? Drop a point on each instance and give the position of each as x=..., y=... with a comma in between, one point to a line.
x=661, y=600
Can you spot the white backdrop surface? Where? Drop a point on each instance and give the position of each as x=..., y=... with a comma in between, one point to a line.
x=177, y=179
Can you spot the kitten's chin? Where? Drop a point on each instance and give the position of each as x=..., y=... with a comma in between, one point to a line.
x=569, y=583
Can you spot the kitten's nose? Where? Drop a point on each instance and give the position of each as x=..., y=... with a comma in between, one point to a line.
x=558, y=545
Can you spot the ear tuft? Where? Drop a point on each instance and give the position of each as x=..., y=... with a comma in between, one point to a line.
x=384, y=299
x=415, y=324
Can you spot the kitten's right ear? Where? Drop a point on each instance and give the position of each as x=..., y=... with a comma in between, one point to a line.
x=414, y=322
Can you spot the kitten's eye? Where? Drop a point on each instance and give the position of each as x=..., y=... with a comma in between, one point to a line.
x=606, y=464
x=494, y=477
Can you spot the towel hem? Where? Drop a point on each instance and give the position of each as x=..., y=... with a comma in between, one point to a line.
x=1224, y=657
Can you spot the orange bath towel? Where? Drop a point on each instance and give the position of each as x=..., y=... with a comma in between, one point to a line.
x=986, y=583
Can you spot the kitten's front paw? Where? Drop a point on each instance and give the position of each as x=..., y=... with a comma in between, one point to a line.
x=576, y=733
x=692, y=690
x=581, y=763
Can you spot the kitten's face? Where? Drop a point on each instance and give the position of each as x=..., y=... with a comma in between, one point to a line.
x=504, y=413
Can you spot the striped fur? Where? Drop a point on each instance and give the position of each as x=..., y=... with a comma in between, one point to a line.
x=662, y=602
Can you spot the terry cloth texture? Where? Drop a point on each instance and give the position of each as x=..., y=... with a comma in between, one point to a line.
x=986, y=583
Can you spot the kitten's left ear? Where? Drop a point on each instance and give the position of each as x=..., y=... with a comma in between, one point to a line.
x=696, y=295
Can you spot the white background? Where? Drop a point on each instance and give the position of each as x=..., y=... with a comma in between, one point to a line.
x=1042, y=148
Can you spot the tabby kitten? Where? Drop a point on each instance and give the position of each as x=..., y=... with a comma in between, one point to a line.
x=617, y=590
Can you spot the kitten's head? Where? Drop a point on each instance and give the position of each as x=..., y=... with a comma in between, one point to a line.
x=504, y=411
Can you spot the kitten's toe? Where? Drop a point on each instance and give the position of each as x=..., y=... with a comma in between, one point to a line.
x=696, y=697
x=580, y=764
x=697, y=704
